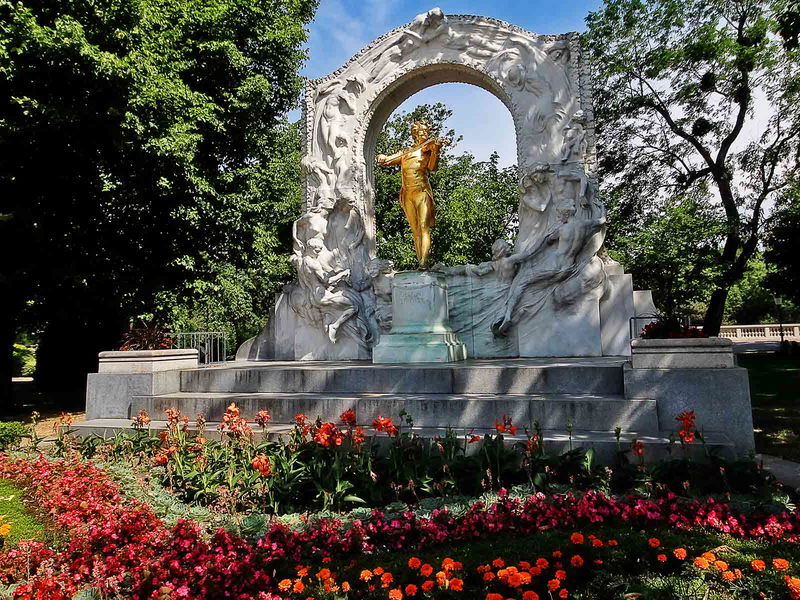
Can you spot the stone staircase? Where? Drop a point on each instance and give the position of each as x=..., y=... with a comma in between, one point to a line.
x=587, y=394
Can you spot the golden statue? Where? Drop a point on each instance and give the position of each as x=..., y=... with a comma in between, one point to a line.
x=416, y=195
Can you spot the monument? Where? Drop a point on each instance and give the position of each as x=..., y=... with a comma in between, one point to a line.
x=545, y=324
x=553, y=294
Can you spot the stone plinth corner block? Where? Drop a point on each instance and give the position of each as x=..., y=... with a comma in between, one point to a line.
x=421, y=329
x=147, y=361
x=683, y=353
x=125, y=374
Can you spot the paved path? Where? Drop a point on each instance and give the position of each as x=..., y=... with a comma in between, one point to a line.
x=756, y=347
x=785, y=471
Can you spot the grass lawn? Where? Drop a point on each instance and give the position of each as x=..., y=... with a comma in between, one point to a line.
x=24, y=526
x=775, y=393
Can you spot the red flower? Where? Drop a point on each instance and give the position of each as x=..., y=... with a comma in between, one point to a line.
x=348, y=417
x=263, y=418
x=385, y=424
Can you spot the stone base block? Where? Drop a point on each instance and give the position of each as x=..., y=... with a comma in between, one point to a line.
x=719, y=397
x=419, y=348
x=689, y=353
x=571, y=331
x=109, y=395
x=616, y=310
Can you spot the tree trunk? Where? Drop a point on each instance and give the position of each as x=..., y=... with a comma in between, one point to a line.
x=8, y=334
x=715, y=311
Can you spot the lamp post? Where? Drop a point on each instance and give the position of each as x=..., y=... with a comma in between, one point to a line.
x=779, y=303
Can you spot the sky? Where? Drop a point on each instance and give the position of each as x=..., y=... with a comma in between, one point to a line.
x=342, y=27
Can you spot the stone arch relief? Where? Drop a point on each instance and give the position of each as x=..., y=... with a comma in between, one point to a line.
x=341, y=301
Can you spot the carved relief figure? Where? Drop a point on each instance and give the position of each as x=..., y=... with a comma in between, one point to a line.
x=574, y=147
x=322, y=287
x=554, y=260
x=416, y=195
x=536, y=214
x=423, y=29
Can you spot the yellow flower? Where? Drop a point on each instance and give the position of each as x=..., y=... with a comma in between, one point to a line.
x=5, y=529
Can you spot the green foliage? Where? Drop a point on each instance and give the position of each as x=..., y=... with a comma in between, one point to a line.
x=11, y=434
x=24, y=525
x=24, y=361
x=781, y=247
x=476, y=202
x=675, y=87
x=141, y=146
x=674, y=251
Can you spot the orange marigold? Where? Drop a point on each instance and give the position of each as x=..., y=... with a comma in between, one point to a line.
x=414, y=563
x=514, y=580
x=448, y=563
x=411, y=590
x=298, y=587
x=709, y=556
x=427, y=586
x=345, y=586
x=378, y=570
x=386, y=579
x=576, y=561
x=720, y=565
x=285, y=585
x=561, y=575
x=728, y=575
x=654, y=542
x=701, y=563
x=680, y=553
x=542, y=563
x=597, y=543
x=366, y=575
x=488, y=576
x=456, y=584
x=576, y=538
x=324, y=574
x=780, y=564
x=758, y=565
x=553, y=585
x=557, y=554
x=494, y=597
x=426, y=570
x=530, y=595
x=613, y=543
x=563, y=593
x=395, y=594
x=661, y=558
x=499, y=563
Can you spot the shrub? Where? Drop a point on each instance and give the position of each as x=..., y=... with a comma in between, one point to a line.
x=24, y=361
x=11, y=434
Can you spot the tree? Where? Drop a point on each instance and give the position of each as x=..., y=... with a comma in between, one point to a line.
x=675, y=252
x=782, y=247
x=677, y=86
x=137, y=147
x=476, y=202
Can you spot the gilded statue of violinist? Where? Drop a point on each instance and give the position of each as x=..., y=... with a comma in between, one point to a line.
x=416, y=195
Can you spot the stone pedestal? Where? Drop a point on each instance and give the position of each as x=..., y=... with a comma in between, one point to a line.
x=421, y=329
x=616, y=310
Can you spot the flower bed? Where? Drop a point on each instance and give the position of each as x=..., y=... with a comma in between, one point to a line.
x=117, y=545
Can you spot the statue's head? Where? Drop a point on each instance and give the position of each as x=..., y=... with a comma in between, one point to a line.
x=566, y=210
x=324, y=204
x=314, y=246
x=376, y=266
x=420, y=131
x=500, y=249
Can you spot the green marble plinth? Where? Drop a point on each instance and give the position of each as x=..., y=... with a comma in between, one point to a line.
x=421, y=329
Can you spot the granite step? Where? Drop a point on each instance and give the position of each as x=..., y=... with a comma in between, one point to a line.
x=604, y=443
x=601, y=376
x=553, y=411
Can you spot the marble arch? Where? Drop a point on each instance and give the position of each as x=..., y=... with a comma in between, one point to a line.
x=540, y=78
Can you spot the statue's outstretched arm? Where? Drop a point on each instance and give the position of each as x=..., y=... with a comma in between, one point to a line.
x=391, y=159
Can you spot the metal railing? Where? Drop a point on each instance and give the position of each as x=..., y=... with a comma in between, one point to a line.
x=212, y=346
x=760, y=332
